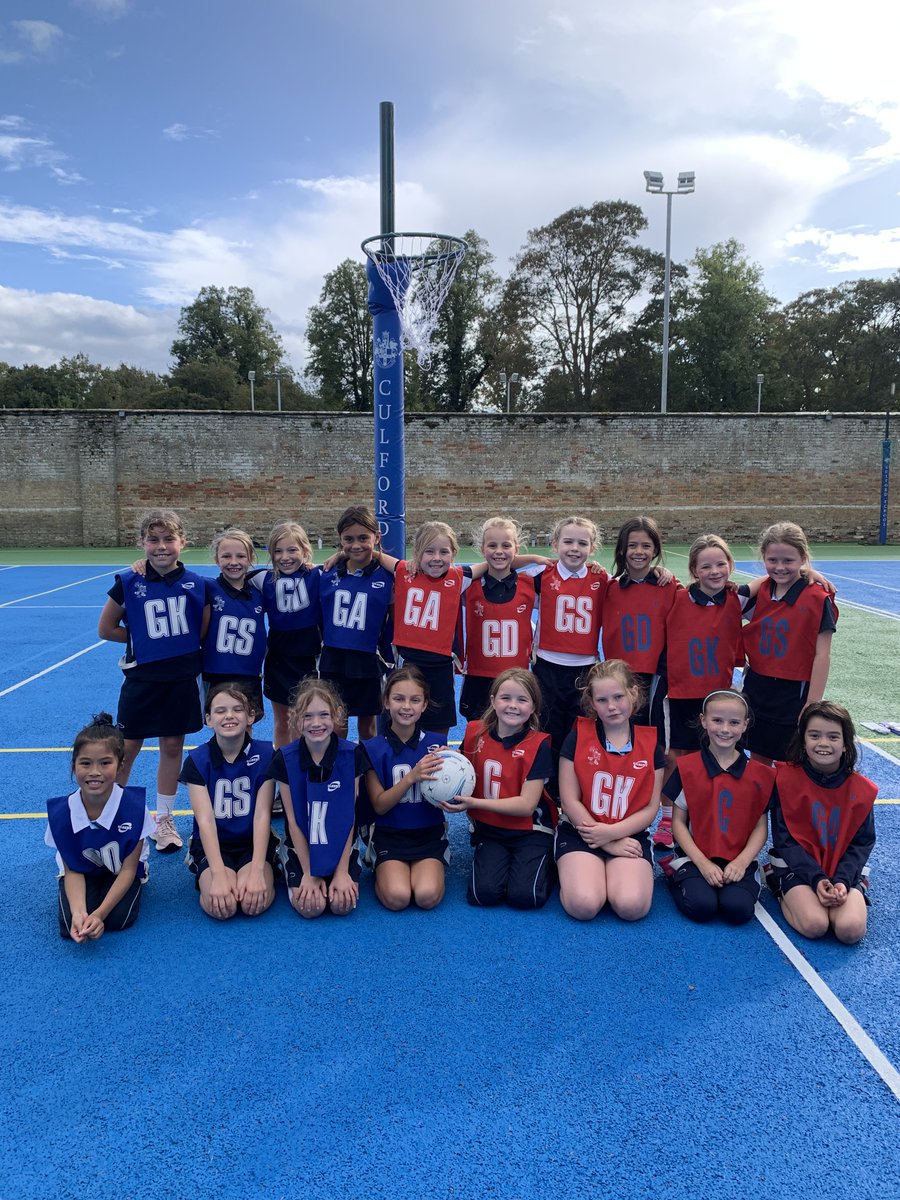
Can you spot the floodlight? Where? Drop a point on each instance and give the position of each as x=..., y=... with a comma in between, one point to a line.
x=654, y=181
x=685, y=181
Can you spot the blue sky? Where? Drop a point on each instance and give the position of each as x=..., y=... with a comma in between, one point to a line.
x=149, y=148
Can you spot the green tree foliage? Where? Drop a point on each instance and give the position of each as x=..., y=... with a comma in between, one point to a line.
x=839, y=348
x=721, y=335
x=580, y=273
x=339, y=333
x=228, y=326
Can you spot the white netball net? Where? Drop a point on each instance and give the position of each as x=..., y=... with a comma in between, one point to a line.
x=417, y=269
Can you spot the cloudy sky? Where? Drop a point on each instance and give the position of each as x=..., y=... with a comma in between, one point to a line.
x=151, y=147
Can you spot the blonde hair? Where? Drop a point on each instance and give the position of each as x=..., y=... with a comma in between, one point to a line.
x=303, y=696
x=611, y=668
x=285, y=529
x=233, y=535
x=165, y=518
x=425, y=535
x=786, y=533
x=528, y=683
x=583, y=523
x=708, y=541
x=480, y=532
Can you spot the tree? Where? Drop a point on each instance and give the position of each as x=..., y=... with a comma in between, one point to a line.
x=580, y=274
x=721, y=339
x=339, y=333
x=838, y=348
x=228, y=327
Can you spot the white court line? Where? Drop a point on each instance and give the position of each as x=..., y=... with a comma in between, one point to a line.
x=878, y=750
x=842, y=600
x=46, y=671
x=61, y=588
x=54, y=607
x=842, y=1015
x=865, y=582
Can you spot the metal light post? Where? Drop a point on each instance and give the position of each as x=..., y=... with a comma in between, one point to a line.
x=655, y=185
x=507, y=382
x=251, y=375
x=759, y=383
x=277, y=376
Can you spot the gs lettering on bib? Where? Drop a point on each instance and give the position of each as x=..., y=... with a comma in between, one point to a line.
x=780, y=638
x=236, y=638
x=570, y=612
x=233, y=787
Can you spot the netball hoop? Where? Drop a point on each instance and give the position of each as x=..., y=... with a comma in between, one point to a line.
x=417, y=269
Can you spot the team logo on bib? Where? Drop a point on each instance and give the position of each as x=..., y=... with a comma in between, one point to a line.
x=140, y=589
x=124, y=827
x=188, y=585
x=595, y=758
x=479, y=609
x=334, y=785
x=378, y=583
x=518, y=753
x=595, y=587
x=449, y=583
x=252, y=761
x=640, y=765
x=219, y=603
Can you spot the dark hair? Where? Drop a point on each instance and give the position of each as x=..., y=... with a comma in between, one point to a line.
x=828, y=711
x=359, y=514
x=235, y=691
x=100, y=728
x=405, y=675
x=636, y=525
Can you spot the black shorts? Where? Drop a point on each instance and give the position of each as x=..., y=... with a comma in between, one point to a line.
x=154, y=708
x=475, y=696
x=441, y=711
x=282, y=673
x=289, y=865
x=512, y=867
x=569, y=839
x=769, y=739
x=361, y=697
x=780, y=880
x=653, y=711
x=234, y=855
x=684, y=724
x=251, y=684
x=700, y=901
x=96, y=887
x=409, y=845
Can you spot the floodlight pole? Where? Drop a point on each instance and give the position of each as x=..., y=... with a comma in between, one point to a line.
x=251, y=375
x=759, y=383
x=654, y=181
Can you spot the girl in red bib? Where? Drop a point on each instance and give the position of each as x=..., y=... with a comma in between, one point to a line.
x=498, y=613
x=787, y=642
x=512, y=817
x=610, y=778
x=720, y=820
x=823, y=828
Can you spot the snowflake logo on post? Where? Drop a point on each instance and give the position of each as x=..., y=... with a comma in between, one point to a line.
x=386, y=351
x=140, y=589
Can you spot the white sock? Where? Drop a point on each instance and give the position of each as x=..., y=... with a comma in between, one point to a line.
x=164, y=805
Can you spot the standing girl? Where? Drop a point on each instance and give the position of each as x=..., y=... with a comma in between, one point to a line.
x=823, y=828
x=235, y=641
x=356, y=596
x=161, y=617
x=610, y=778
x=721, y=823
x=409, y=838
x=318, y=776
x=513, y=818
x=498, y=611
x=635, y=609
x=99, y=836
x=232, y=849
x=787, y=641
x=568, y=632
x=290, y=597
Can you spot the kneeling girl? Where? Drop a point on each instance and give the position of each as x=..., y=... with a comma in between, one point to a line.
x=610, y=779
x=232, y=848
x=409, y=836
x=512, y=818
x=318, y=776
x=720, y=817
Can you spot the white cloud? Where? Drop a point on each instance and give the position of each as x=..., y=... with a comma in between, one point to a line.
x=178, y=132
x=21, y=148
x=106, y=8
x=39, y=36
x=42, y=328
x=843, y=250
